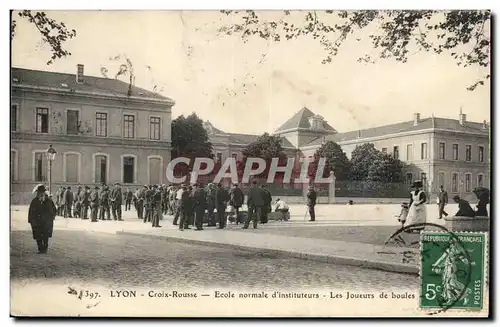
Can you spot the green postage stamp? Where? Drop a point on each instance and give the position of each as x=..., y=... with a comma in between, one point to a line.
x=452, y=274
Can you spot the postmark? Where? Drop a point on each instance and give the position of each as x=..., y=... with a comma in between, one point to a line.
x=452, y=272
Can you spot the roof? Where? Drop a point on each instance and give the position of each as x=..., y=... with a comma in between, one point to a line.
x=301, y=120
x=243, y=139
x=91, y=84
x=407, y=126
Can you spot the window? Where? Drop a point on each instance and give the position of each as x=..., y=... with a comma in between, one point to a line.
x=455, y=151
x=154, y=128
x=72, y=122
x=128, y=126
x=13, y=165
x=71, y=164
x=468, y=153
x=154, y=171
x=128, y=170
x=395, y=152
x=101, y=169
x=101, y=124
x=423, y=151
x=42, y=120
x=13, y=117
x=40, y=167
x=235, y=156
x=442, y=148
x=423, y=178
x=468, y=182
x=441, y=180
x=409, y=178
x=384, y=150
x=219, y=157
x=480, y=180
x=481, y=153
x=409, y=152
x=454, y=182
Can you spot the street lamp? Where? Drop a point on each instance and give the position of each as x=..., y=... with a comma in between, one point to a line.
x=51, y=155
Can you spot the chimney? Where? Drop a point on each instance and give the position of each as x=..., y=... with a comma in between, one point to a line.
x=462, y=118
x=359, y=133
x=416, y=119
x=485, y=125
x=79, y=74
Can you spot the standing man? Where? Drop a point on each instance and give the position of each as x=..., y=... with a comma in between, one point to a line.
x=156, y=206
x=62, y=201
x=85, y=202
x=116, y=202
x=178, y=200
x=222, y=197
x=128, y=199
x=236, y=200
x=266, y=195
x=190, y=206
x=255, y=203
x=58, y=201
x=41, y=214
x=183, y=201
x=211, y=195
x=442, y=201
x=199, y=198
x=77, y=203
x=139, y=201
x=311, y=202
x=94, y=204
x=104, y=204
x=148, y=204
x=68, y=202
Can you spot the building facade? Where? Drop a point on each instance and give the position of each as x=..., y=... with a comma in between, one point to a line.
x=103, y=130
x=437, y=151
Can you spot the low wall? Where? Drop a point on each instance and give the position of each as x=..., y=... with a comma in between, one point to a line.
x=467, y=224
x=340, y=200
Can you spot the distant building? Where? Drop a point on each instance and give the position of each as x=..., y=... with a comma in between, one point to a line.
x=438, y=151
x=103, y=130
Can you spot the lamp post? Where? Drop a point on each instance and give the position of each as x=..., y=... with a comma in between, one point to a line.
x=51, y=155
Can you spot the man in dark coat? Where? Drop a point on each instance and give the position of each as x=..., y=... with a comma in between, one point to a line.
x=156, y=206
x=148, y=204
x=94, y=204
x=311, y=202
x=85, y=201
x=62, y=202
x=129, y=196
x=116, y=202
x=104, y=213
x=211, y=199
x=190, y=206
x=57, y=201
x=199, y=199
x=76, y=202
x=140, y=195
x=221, y=200
x=266, y=209
x=464, y=208
x=41, y=214
x=68, y=202
x=236, y=200
x=442, y=201
x=255, y=203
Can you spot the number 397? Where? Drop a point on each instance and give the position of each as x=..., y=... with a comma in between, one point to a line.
x=431, y=291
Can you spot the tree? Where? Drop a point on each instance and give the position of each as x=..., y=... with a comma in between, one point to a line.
x=462, y=34
x=190, y=139
x=52, y=32
x=385, y=169
x=361, y=159
x=266, y=147
x=336, y=160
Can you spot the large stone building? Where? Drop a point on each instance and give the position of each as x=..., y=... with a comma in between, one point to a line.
x=103, y=130
x=439, y=151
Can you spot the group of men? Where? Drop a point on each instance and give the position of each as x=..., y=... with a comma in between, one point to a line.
x=101, y=201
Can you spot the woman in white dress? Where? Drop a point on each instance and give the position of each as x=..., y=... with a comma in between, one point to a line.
x=417, y=213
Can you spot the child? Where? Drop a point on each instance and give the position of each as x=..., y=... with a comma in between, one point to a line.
x=403, y=213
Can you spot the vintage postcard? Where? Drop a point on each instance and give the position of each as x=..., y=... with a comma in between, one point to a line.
x=242, y=163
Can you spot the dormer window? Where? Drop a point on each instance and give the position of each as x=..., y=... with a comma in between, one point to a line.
x=316, y=122
x=64, y=85
x=15, y=80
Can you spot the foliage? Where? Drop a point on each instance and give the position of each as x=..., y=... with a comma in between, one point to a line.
x=361, y=158
x=336, y=160
x=52, y=32
x=371, y=165
x=266, y=147
x=462, y=34
x=190, y=139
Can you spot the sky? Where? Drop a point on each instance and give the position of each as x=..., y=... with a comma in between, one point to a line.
x=256, y=86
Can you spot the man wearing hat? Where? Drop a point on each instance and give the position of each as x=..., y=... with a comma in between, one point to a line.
x=311, y=202
x=464, y=208
x=199, y=198
x=116, y=202
x=139, y=201
x=156, y=211
x=104, y=212
x=85, y=201
x=41, y=214
x=94, y=204
x=148, y=204
x=236, y=200
x=255, y=203
x=68, y=202
x=211, y=196
x=78, y=205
